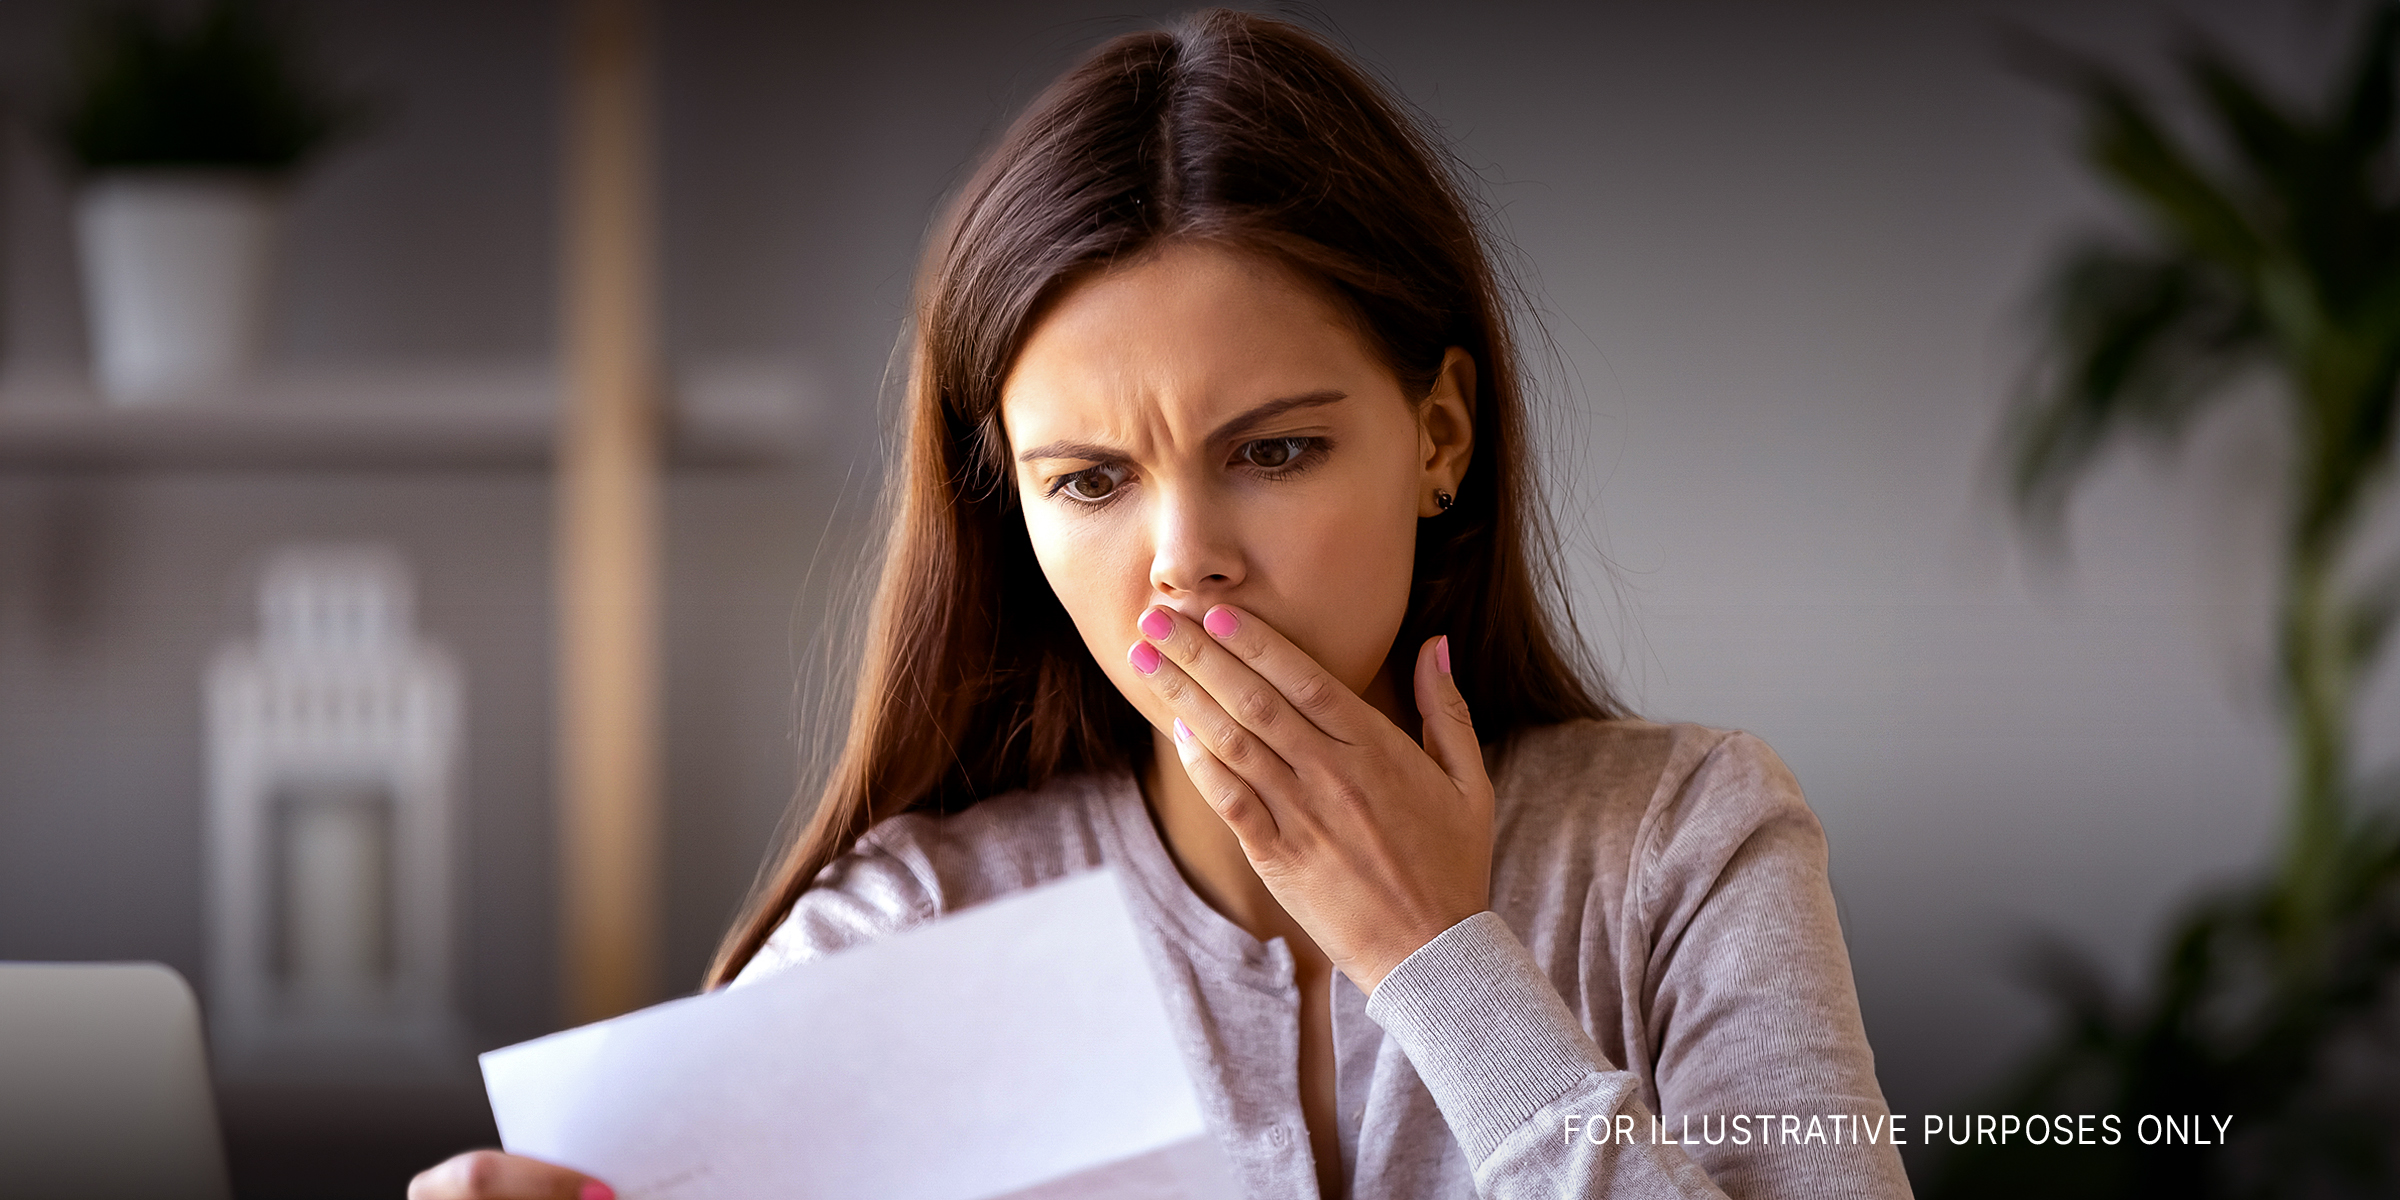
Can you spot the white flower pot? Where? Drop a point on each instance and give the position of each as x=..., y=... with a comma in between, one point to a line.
x=175, y=277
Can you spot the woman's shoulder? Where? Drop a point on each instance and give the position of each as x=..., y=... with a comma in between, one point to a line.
x=1649, y=784
x=914, y=867
x=1002, y=844
x=1641, y=820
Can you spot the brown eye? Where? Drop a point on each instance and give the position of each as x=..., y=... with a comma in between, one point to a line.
x=1271, y=452
x=1095, y=483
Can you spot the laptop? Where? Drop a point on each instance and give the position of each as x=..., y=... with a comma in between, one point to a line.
x=104, y=1090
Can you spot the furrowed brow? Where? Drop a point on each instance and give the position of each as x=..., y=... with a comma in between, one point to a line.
x=1082, y=451
x=1272, y=409
x=1094, y=452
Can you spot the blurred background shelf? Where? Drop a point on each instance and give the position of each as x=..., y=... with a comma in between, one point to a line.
x=719, y=413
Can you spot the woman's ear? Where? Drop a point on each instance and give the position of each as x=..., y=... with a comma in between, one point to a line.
x=1446, y=431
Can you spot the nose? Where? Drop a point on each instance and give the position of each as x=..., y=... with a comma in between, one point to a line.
x=1194, y=550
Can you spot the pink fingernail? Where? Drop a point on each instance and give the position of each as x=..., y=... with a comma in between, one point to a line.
x=1183, y=732
x=593, y=1189
x=1145, y=658
x=1221, y=622
x=1441, y=653
x=1155, y=623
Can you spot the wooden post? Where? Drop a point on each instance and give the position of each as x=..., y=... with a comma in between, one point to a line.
x=607, y=536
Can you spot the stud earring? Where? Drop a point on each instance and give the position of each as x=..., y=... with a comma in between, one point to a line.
x=1441, y=499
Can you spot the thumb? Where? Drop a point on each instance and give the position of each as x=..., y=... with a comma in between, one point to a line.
x=1449, y=727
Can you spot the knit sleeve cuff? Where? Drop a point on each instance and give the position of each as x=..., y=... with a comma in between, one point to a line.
x=1484, y=1029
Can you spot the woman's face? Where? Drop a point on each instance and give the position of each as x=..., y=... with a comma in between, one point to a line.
x=1202, y=427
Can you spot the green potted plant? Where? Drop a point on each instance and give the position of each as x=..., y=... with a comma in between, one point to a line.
x=183, y=137
x=2269, y=252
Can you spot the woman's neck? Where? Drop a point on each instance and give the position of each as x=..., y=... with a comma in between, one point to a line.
x=1205, y=851
x=1204, y=848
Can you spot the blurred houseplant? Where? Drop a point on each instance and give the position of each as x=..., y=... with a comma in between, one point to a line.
x=2277, y=255
x=183, y=135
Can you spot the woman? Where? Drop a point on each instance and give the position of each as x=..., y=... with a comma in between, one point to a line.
x=1215, y=484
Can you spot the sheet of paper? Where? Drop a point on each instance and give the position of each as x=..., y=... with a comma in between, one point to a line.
x=1017, y=1050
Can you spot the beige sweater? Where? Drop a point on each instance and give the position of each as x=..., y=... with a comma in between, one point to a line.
x=1661, y=941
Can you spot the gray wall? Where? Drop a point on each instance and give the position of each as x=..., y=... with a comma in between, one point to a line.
x=1783, y=250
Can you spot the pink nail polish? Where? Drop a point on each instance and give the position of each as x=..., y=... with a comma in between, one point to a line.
x=1183, y=732
x=593, y=1189
x=1221, y=622
x=1441, y=653
x=1144, y=657
x=1156, y=623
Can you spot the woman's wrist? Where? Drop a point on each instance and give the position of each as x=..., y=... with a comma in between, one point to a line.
x=1485, y=1029
x=1370, y=969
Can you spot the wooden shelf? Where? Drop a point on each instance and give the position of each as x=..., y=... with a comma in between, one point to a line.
x=723, y=413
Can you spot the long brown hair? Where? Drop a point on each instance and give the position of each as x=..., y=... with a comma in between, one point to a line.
x=1236, y=130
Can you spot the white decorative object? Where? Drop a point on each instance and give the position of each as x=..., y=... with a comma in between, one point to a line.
x=175, y=278
x=333, y=759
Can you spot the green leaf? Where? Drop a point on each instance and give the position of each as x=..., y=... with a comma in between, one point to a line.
x=2127, y=143
x=2138, y=342
x=2279, y=152
x=2368, y=623
x=2365, y=105
x=223, y=90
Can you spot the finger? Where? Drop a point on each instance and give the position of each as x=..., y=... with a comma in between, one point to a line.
x=1250, y=698
x=1239, y=648
x=492, y=1175
x=1233, y=744
x=1233, y=800
x=1449, y=727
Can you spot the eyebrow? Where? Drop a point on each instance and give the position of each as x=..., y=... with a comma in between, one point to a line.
x=1094, y=452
